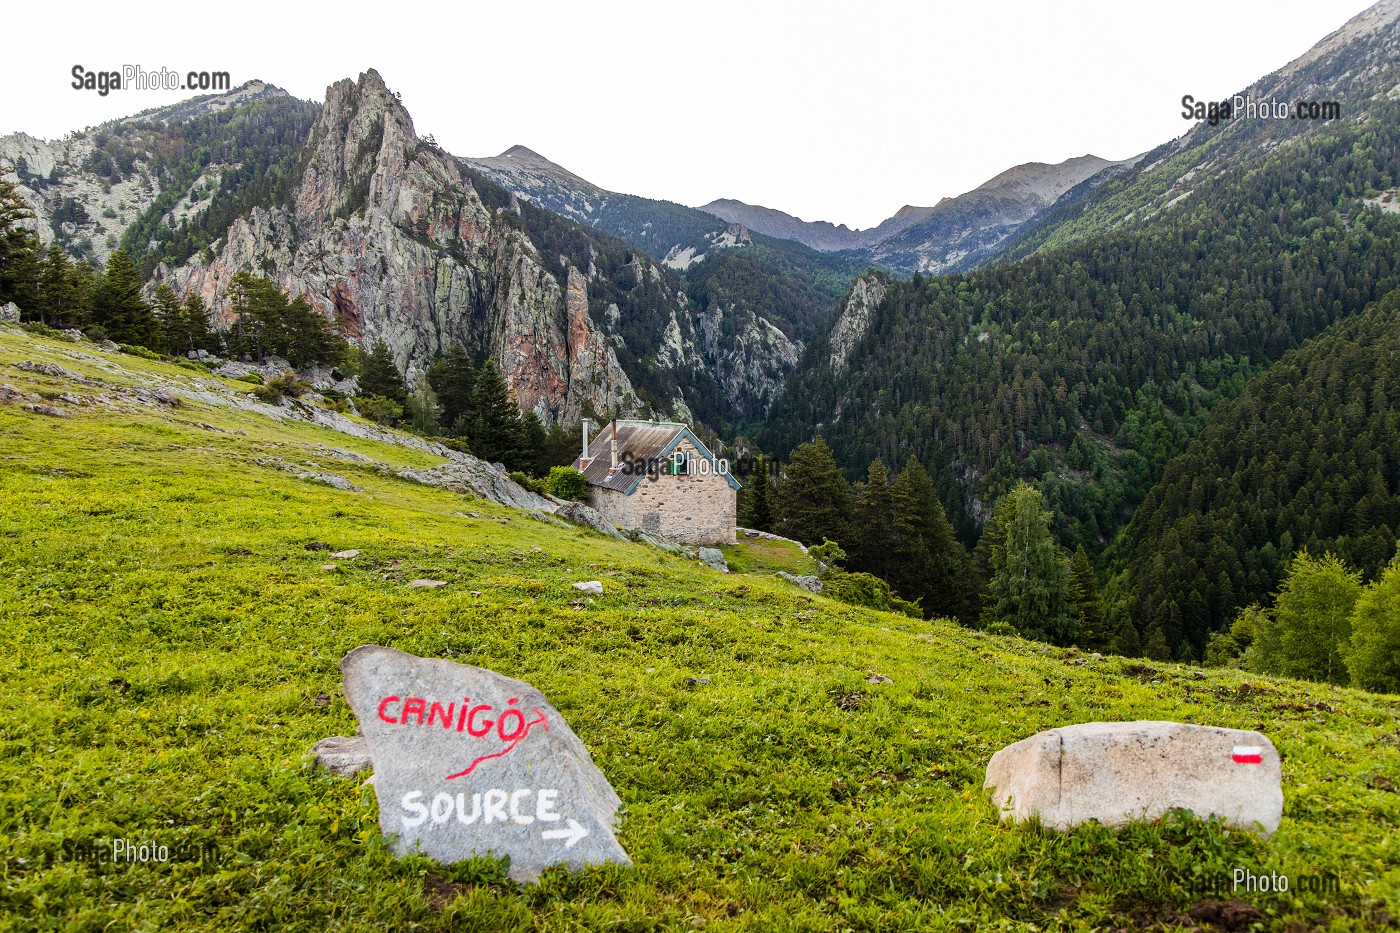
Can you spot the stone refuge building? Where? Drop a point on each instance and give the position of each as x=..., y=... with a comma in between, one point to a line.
x=657, y=476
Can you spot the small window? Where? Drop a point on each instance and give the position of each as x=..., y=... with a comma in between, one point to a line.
x=682, y=464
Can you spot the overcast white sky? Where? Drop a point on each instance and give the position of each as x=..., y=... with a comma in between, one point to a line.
x=830, y=111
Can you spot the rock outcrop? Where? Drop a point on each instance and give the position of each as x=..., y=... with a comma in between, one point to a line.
x=386, y=237
x=854, y=320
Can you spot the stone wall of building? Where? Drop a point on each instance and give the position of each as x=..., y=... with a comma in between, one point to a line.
x=693, y=509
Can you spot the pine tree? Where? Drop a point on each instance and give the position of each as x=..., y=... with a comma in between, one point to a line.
x=56, y=306
x=930, y=562
x=498, y=431
x=874, y=536
x=380, y=375
x=1084, y=600
x=534, y=434
x=1156, y=647
x=983, y=561
x=756, y=499
x=198, y=333
x=814, y=499
x=1126, y=641
x=1029, y=580
x=117, y=305
x=307, y=336
x=170, y=317
x=19, y=259
x=453, y=378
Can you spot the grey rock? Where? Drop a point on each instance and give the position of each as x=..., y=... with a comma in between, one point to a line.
x=473, y=477
x=808, y=582
x=1115, y=772
x=427, y=584
x=469, y=762
x=549, y=519
x=343, y=756
x=49, y=410
x=769, y=536
x=878, y=679
x=590, y=586
x=346, y=555
x=51, y=369
x=9, y=395
x=589, y=517
x=714, y=557
x=642, y=536
x=9, y=313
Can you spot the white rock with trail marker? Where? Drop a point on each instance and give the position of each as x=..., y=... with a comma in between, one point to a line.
x=1116, y=772
x=590, y=586
x=468, y=762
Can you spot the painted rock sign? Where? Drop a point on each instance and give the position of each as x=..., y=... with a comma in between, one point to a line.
x=468, y=762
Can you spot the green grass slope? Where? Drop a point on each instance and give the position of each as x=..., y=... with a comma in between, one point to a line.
x=169, y=649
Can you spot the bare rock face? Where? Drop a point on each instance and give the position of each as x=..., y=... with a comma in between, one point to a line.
x=468, y=762
x=854, y=320
x=749, y=356
x=389, y=239
x=1115, y=772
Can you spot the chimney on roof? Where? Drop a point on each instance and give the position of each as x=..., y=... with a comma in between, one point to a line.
x=583, y=459
x=613, y=446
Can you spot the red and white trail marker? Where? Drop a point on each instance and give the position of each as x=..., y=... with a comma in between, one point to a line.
x=1248, y=754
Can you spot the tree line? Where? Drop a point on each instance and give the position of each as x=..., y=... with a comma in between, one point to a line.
x=1018, y=580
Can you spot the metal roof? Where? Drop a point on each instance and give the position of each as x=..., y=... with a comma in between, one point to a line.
x=639, y=443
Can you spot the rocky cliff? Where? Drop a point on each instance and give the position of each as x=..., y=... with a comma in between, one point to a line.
x=386, y=237
x=854, y=320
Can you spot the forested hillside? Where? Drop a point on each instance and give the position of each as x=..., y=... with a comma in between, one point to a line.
x=1086, y=368
x=1307, y=458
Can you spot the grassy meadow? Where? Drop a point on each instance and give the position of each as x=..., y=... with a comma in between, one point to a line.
x=169, y=640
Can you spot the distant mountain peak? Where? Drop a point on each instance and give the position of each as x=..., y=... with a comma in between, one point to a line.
x=523, y=167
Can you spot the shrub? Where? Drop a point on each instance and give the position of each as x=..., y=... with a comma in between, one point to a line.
x=565, y=482
x=865, y=589
x=828, y=553
x=386, y=411
x=538, y=486
x=1002, y=628
x=254, y=378
x=39, y=329
x=285, y=383
x=133, y=350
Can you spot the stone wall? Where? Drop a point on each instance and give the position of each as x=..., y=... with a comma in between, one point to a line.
x=693, y=509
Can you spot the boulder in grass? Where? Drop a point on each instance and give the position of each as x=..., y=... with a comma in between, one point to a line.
x=345, y=756
x=1116, y=772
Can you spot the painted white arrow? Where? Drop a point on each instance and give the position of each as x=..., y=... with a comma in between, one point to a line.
x=573, y=834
